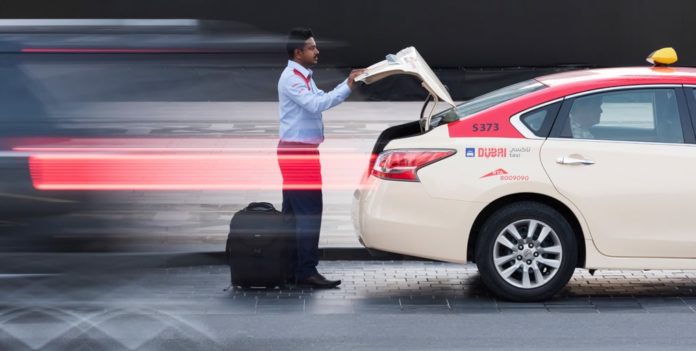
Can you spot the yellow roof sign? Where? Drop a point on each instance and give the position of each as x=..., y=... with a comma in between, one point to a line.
x=663, y=57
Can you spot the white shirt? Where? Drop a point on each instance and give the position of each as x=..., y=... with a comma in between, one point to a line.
x=301, y=104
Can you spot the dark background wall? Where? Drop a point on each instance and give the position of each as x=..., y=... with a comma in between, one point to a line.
x=450, y=34
x=473, y=46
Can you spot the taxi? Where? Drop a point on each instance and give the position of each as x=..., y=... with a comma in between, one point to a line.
x=582, y=169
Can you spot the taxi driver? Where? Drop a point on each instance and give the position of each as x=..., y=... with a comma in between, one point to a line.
x=584, y=114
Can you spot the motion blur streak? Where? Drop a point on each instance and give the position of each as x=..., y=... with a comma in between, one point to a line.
x=223, y=170
x=116, y=51
x=133, y=144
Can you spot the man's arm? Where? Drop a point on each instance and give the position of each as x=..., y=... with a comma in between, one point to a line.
x=297, y=90
x=321, y=101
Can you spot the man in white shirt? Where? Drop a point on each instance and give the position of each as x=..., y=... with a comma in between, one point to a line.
x=301, y=103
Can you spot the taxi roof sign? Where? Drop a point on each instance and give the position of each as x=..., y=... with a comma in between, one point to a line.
x=662, y=57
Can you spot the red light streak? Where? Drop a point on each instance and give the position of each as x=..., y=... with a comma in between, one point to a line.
x=130, y=169
x=113, y=51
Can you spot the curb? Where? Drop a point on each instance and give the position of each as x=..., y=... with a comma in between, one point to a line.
x=59, y=262
x=327, y=254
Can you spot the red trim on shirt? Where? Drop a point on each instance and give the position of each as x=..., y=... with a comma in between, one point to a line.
x=305, y=79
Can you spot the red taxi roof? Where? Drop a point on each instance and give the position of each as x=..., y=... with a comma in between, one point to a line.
x=565, y=84
x=621, y=76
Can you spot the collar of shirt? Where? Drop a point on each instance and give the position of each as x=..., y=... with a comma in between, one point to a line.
x=294, y=65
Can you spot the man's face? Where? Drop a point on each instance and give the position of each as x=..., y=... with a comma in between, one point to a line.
x=309, y=55
x=587, y=113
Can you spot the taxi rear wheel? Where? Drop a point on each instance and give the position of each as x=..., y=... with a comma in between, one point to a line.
x=527, y=252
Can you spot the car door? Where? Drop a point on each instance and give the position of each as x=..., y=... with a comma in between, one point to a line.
x=628, y=169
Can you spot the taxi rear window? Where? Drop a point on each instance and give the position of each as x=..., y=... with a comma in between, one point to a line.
x=491, y=99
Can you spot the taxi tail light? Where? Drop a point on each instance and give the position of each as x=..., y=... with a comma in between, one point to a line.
x=404, y=164
x=368, y=171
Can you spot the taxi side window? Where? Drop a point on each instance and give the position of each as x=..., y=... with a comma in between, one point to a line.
x=539, y=121
x=649, y=115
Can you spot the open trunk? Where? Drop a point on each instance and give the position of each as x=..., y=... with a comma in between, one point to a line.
x=407, y=61
x=396, y=132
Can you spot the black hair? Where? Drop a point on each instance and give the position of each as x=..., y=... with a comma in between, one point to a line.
x=296, y=40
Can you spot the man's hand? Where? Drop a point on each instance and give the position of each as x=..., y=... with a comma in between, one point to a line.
x=354, y=74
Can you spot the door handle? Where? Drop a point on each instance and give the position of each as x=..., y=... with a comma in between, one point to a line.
x=574, y=160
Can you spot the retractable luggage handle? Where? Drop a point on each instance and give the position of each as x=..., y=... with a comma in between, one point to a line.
x=260, y=207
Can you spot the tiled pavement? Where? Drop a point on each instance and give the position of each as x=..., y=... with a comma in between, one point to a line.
x=368, y=287
x=432, y=287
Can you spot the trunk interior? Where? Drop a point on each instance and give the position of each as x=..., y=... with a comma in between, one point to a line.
x=399, y=131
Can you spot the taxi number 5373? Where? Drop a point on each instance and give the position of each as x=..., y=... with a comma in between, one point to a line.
x=484, y=127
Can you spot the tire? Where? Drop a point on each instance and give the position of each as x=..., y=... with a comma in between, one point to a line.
x=548, y=264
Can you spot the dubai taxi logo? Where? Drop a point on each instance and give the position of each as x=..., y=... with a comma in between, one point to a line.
x=517, y=152
x=492, y=152
x=471, y=152
x=497, y=172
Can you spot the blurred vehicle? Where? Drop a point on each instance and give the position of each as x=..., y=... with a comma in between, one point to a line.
x=79, y=87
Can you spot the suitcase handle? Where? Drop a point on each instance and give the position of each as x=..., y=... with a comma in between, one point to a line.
x=260, y=207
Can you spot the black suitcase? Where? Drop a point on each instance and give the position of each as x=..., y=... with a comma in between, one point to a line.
x=259, y=247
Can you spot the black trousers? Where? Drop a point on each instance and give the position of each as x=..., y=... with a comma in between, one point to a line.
x=302, y=201
x=303, y=209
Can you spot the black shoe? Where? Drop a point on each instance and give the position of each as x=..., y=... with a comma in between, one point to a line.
x=317, y=281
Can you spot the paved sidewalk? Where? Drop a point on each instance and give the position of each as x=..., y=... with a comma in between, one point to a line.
x=368, y=286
